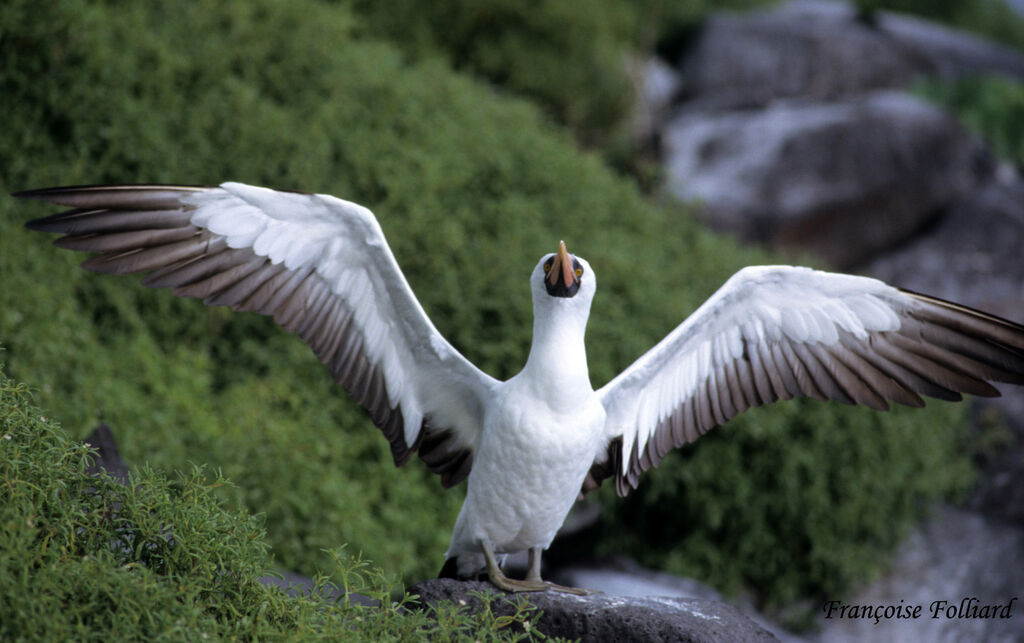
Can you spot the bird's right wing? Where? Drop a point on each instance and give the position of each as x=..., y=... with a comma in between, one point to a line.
x=778, y=332
x=321, y=267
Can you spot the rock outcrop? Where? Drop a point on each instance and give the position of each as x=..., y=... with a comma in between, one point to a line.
x=601, y=617
x=843, y=179
x=793, y=126
x=824, y=51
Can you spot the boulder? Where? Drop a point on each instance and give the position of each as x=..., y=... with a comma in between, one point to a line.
x=814, y=50
x=601, y=617
x=824, y=51
x=621, y=576
x=948, y=53
x=843, y=179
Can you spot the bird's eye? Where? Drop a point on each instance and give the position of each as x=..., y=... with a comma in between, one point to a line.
x=579, y=272
x=547, y=267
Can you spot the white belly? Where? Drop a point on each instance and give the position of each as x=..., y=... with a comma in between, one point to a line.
x=526, y=473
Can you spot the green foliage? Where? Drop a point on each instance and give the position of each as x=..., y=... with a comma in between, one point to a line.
x=566, y=56
x=89, y=559
x=990, y=106
x=471, y=187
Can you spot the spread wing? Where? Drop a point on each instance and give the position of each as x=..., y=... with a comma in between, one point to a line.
x=777, y=332
x=321, y=267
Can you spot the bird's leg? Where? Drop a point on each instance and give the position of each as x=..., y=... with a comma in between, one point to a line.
x=534, y=575
x=503, y=582
x=533, y=581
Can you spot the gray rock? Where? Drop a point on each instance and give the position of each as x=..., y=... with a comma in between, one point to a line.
x=625, y=577
x=809, y=49
x=823, y=50
x=609, y=618
x=843, y=179
x=948, y=53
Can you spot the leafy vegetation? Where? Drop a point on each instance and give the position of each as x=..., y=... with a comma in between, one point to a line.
x=471, y=186
x=89, y=559
x=568, y=57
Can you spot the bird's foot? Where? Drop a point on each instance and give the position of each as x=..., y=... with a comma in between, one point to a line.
x=536, y=585
x=511, y=585
x=532, y=583
x=578, y=591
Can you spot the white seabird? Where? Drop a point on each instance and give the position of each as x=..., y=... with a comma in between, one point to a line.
x=530, y=445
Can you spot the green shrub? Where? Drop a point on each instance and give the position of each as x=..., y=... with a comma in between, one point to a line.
x=566, y=56
x=89, y=559
x=471, y=187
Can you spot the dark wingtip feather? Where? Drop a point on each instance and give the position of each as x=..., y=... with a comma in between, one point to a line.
x=64, y=190
x=39, y=193
x=966, y=319
x=52, y=223
x=912, y=400
x=111, y=196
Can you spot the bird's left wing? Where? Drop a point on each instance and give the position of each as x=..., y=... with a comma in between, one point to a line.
x=777, y=332
x=321, y=267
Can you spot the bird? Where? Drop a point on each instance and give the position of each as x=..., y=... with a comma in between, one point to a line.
x=530, y=446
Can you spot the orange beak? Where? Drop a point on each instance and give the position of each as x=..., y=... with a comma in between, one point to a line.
x=562, y=262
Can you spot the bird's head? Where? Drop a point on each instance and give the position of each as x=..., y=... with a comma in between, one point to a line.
x=563, y=276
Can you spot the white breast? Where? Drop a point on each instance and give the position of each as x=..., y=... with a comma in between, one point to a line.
x=529, y=468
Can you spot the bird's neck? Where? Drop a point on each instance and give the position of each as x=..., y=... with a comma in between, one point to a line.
x=558, y=356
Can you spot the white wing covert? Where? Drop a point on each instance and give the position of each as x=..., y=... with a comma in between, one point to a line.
x=321, y=267
x=778, y=332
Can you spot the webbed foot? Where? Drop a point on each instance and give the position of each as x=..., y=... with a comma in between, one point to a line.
x=532, y=583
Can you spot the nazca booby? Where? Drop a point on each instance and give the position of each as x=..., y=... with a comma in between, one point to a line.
x=532, y=444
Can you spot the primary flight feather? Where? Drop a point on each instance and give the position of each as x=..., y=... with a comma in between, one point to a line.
x=532, y=444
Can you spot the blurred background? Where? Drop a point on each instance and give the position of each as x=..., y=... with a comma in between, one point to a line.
x=669, y=143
